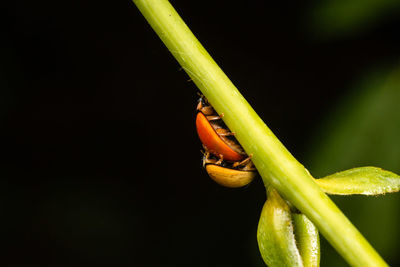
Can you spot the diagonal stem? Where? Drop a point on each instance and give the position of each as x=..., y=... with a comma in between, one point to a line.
x=273, y=161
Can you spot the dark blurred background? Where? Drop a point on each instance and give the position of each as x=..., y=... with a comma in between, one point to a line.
x=101, y=161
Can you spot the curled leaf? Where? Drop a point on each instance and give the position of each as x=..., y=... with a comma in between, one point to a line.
x=307, y=240
x=275, y=236
x=363, y=180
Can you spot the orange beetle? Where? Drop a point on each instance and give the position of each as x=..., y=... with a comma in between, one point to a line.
x=214, y=136
x=224, y=159
x=234, y=175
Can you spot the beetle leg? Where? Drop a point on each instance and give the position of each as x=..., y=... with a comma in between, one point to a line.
x=224, y=132
x=207, y=110
x=249, y=167
x=199, y=105
x=227, y=134
x=207, y=160
x=212, y=117
x=246, y=163
x=221, y=158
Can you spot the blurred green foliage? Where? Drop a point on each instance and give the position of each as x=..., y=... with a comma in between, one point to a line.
x=364, y=127
x=364, y=131
x=345, y=17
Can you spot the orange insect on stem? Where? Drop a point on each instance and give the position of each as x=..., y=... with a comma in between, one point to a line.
x=230, y=177
x=213, y=142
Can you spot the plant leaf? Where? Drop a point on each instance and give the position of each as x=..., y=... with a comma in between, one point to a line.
x=363, y=180
x=275, y=235
x=307, y=240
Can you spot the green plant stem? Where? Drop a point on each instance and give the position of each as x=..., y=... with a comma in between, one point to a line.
x=273, y=161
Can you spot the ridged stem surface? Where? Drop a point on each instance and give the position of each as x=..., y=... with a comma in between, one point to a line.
x=273, y=161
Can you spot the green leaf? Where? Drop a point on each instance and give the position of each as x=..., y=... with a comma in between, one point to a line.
x=307, y=240
x=275, y=235
x=364, y=181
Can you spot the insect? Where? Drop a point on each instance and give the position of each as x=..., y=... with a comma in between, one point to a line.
x=215, y=136
x=226, y=174
x=224, y=159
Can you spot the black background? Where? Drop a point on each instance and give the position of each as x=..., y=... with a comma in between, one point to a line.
x=102, y=164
